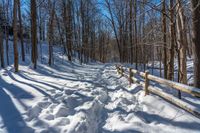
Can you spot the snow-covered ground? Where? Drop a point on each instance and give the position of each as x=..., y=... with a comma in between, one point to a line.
x=156, y=71
x=74, y=98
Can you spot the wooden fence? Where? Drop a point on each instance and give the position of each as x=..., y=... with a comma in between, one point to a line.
x=149, y=88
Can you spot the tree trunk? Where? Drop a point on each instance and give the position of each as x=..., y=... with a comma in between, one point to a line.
x=196, y=40
x=1, y=48
x=131, y=30
x=135, y=23
x=21, y=31
x=68, y=27
x=114, y=28
x=7, y=34
x=164, y=28
x=34, y=33
x=15, y=36
x=51, y=34
x=182, y=42
x=172, y=37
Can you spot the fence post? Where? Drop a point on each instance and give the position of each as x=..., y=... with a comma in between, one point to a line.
x=146, y=83
x=130, y=76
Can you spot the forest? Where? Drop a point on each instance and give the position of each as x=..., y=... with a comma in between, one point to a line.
x=62, y=60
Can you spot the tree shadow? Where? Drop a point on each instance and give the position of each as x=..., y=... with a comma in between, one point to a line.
x=74, y=79
x=36, y=87
x=12, y=119
x=149, y=118
x=17, y=92
x=33, y=80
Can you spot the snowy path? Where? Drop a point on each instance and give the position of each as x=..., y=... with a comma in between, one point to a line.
x=72, y=98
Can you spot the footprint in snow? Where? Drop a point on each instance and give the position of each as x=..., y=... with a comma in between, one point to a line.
x=68, y=91
x=49, y=117
x=63, y=122
x=44, y=105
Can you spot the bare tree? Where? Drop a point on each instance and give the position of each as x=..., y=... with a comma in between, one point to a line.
x=164, y=38
x=15, y=36
x=21, y=30
x=34, y=33
x=196, y=40
x=1, y=48
x=51, y=30
x=1, y=38
x=182, y=42
x=68, y=26
x=172, y=42
x=6, y=30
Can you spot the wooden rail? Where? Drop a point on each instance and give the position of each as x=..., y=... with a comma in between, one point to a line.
x=148, y=88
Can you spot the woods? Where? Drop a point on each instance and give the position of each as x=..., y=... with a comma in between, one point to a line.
x=127, y=31
x=99, y=66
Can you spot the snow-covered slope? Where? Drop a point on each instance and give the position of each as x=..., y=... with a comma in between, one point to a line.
x=73, y=98
x=156, y=71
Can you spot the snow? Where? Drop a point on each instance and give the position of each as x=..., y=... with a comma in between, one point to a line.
x=73, y=98
x=156, y=71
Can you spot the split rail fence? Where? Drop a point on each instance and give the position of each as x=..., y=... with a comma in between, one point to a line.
x=150, y=88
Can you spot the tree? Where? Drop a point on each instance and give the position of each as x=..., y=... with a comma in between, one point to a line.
x=51, y=30
x=67, y=7
x=1, y=38
x=172, y=42
x=16, y=65
x=114, y=27
x=164, y=28
x=1, y=48
x=34, y=33
x=182, y=42
x=131, y=30
x=136, y=37
x=196, y=40
x=6, y=30
x=21, y=30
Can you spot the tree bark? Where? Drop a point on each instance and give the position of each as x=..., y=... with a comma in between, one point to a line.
x=182, y=42
x=15, y=36
x=196, y=40
x=68, y=27
x=131, y=30
x=136, y=39
x=164, y=28
x=172, y=38
x=1, y=48
x=51, y=34
x=34, y=33
x=7, y=34
x=21, y=31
